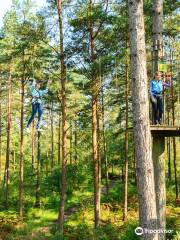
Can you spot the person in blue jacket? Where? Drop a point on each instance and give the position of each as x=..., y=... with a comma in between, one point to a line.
x=157, y=87
x=37, y=103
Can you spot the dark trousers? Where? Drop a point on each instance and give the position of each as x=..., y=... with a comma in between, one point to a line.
x=157, y=108
x=36, y=107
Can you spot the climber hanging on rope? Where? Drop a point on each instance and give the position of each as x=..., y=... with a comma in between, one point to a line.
x=37, y=103
x=157, y=86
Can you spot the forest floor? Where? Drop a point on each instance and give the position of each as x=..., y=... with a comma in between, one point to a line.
x=41, y=224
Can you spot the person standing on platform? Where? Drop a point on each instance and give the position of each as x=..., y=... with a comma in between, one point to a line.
x=157, y=86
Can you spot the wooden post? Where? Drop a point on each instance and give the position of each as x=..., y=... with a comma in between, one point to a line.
x=160, y=181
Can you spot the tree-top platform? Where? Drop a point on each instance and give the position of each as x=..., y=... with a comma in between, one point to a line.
x=165, y=131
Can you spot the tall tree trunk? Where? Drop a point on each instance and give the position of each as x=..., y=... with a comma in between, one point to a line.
x=71, y=142
x=52, y=138
x=126, y=146
x=6, y=177
x=33, y=146
x=175, y=168
x=59, y=140
x=47, y=145
x=38, y=180
x=64, y=120
x=134, y=158
x=14, y=158
x=104, y=143
x=121, y=146
x=142, y=135
x=95, y=145
x=169, y=152
x=159, y=167
x=99, y=154
x=75, y=142
x=159, y=163
x=0, y=138
x=169, y=157
x=173, y=121
x=21, y=164
x=47, y=159
x=157, y=33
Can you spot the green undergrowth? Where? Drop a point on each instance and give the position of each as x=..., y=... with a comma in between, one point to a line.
x=41, y=224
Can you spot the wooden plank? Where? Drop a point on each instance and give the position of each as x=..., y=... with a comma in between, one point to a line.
x=164, y=127
x=163, y=130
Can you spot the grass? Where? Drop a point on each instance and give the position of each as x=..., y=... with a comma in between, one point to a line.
x=35, y=221
x=39, y=224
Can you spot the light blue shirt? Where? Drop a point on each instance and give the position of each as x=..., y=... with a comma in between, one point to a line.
x=156, y=87
x=36, y=93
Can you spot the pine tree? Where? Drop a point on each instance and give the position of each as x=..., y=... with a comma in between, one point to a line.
x=142, y=135
x=64, y=118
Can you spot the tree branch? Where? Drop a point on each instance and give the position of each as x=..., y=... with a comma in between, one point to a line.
x=99, y=28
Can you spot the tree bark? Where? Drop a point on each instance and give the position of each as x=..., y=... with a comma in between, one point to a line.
x=173, y=121
x=169, y=157
x=126, y=146
x=95, y=145
x=71, y=142
x=47, y=145
x=14, y=159
x=21, y=171
x=38, y=180
x=0, y=138
x=52, y=138
x=175, y=168
x=104, y=144
x=47, y=159
x=21, y=164
x=160, y=180
x=8, y=127
x=134, y=159
x=59, y=140
x=159, y=169
x=75, y=143
x=64, y=120
x=99, y=154
x=142, y=135
x=157, y=33
x=33, y=146
x=169, y=152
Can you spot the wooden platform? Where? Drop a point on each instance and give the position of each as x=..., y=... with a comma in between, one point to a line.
x=165, y=131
